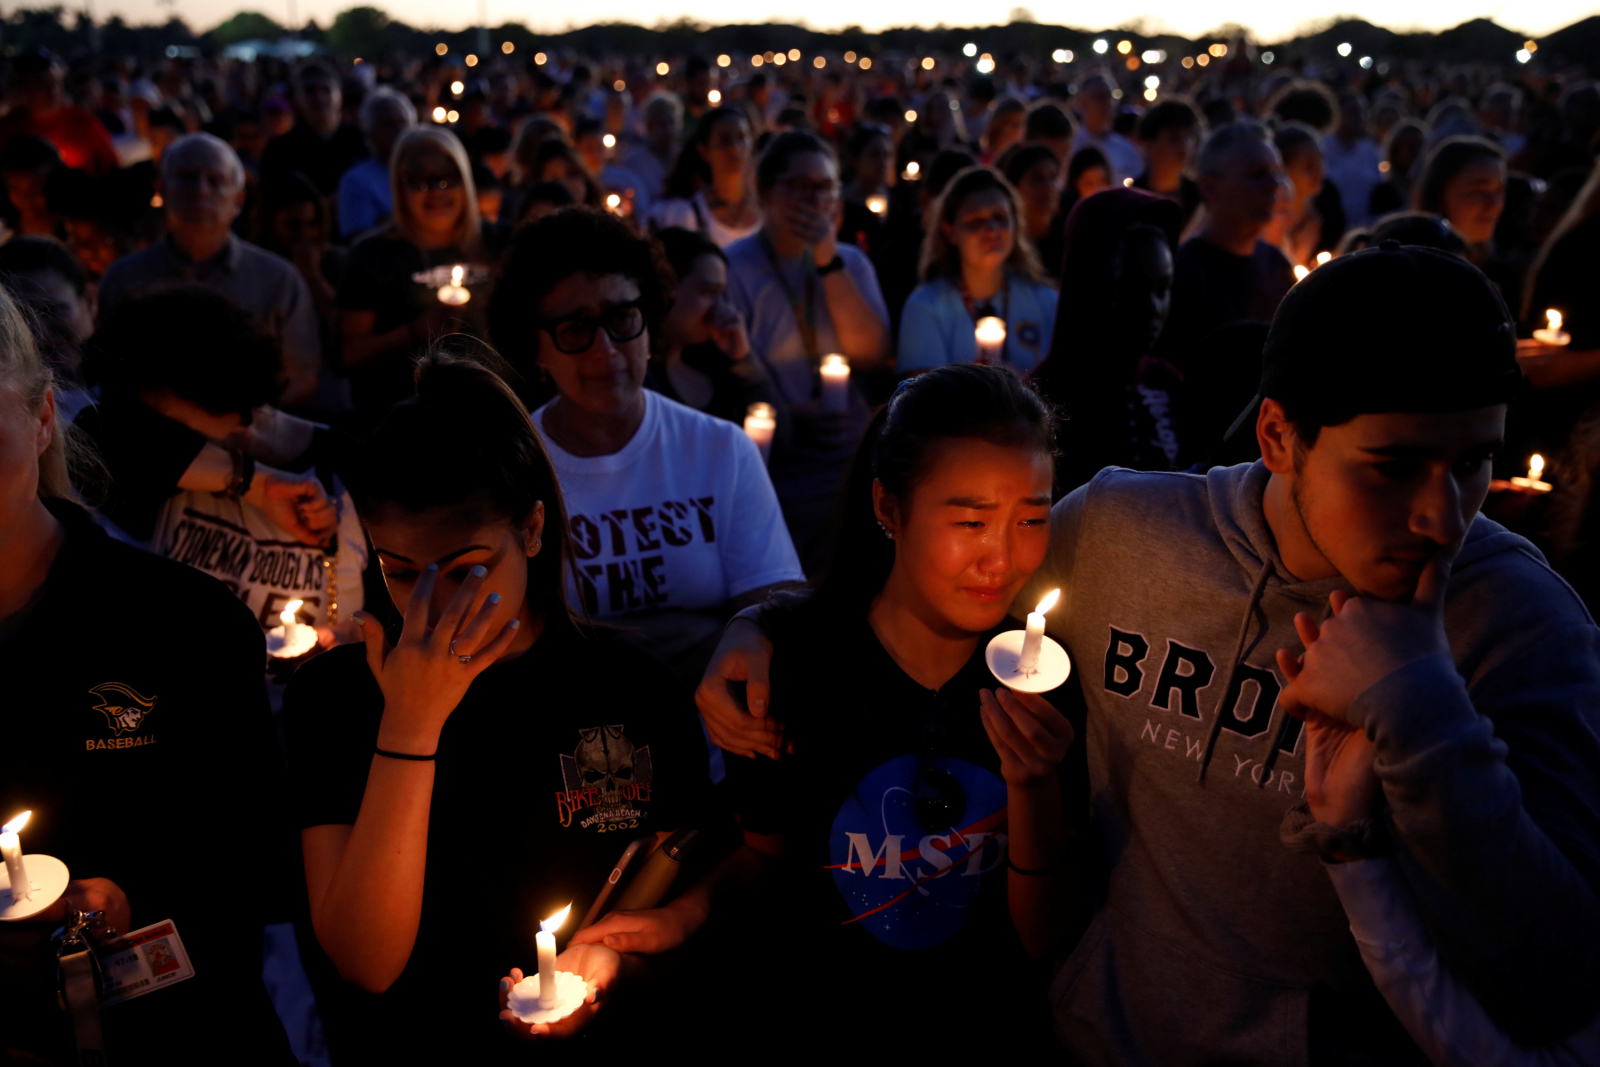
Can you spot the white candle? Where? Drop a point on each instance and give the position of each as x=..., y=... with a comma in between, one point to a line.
x=290, y=638
x=455, y=294
x=835, y=383
x=878, y=204
x=11, y=849
x=760, y=423
x=545, y=942
x=1033, y=636
x=991, y=335
x=1535, y=475
x=1553, y=334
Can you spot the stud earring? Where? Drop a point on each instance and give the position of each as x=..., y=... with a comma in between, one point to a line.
x=886, y=531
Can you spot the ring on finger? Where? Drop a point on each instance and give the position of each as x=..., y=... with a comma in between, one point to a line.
x=457, y=655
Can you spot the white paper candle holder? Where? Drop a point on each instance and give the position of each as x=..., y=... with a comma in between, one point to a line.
x=523, y=1000
x=1052, y=669
x=47, y=881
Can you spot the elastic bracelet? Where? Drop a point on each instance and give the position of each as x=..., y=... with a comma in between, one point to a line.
x=1052, y=869
x=405, y=755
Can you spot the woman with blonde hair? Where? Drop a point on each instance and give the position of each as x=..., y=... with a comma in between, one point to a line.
x=188, y=675
x=977, y=264
x=387, y=302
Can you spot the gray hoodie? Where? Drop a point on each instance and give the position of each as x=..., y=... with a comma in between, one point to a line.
x=1211, y=942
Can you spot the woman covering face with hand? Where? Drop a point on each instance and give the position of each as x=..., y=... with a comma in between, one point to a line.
x=481, y=765
x=917, y=833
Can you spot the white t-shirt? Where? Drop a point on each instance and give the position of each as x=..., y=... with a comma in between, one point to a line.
x=239, y=546
x=696, y=214
x=683, y=517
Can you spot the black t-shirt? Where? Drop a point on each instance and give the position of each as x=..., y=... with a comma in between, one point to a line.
x=379, y=277
x=138, y=733
x=323, y=161
x=893, y=814
x=1211, y=287
x=552, y=763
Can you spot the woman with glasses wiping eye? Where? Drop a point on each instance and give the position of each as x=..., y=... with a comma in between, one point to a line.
x=908, y=847
x=385, y=315
x=674, y=522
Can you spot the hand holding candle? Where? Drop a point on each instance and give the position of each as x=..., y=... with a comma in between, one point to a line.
x=835, y=383
x=551, y=995
x=1027, y=660
x=33, y=884
x=290, y=638
x=990, y=333
x=1553, y=334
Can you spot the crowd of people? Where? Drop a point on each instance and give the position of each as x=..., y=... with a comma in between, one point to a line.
x=468, y=423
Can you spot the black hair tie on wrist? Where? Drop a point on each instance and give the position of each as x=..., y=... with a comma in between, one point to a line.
x=1051, y=869
x=405, y=755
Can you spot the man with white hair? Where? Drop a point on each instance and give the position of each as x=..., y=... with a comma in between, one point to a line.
x=365, y=197
x=1095, y=101
x=1226, y=273
x=653, y=160
x=203, y=190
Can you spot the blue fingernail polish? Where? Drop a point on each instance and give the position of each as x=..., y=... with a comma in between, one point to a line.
x=505, y=983
x=515, y=623
x=494, y=598
x=479, y=571
x=431, y=567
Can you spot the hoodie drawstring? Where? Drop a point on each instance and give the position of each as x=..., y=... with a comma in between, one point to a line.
x=1233, y=666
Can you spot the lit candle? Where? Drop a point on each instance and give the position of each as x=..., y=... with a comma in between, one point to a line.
x=1323, y=257
x=290, y=638
x=760, y=424
x=991, y=336
x=1300, y=273
x=1033, y=637
x=1535, y=475
x=609, y=140
x=835, y=383
x=614, y=203
x=878, y=204
x=455, y=294
x=1553, y=334
x=913, y=171
x=545, y=941
x=11, y=849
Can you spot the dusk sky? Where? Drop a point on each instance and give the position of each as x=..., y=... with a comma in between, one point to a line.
x=1270, y=19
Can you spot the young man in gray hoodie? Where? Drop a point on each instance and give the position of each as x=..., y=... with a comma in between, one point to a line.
x=1384, y=390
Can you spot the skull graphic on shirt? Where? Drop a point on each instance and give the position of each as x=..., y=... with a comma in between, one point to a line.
x=607, y=761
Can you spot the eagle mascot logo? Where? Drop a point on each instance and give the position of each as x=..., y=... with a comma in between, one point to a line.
x=125, y=710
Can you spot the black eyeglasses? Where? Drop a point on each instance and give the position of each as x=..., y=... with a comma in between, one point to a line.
x=422, y=184
x=575, y=333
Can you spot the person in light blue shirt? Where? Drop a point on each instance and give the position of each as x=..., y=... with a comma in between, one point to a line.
x=976, y=263
x=365, y=196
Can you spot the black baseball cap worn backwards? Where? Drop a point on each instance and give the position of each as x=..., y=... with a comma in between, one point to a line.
x=1386, y=329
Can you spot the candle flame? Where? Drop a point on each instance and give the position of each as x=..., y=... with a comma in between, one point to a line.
x=552, y=924
x=1300, y=273
x=15, y=825
x=1048, y=602
x=286, y=616
x=761, y=411
x=456, y=274
x=913, y=168
x=1323, y=257
x=991, y=330
x=1535, y=467
x=835, y=362
x=1553, y=319
x=877, y=204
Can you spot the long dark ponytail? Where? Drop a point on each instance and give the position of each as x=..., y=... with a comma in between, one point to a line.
x=464, y=441
x=959, y=401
